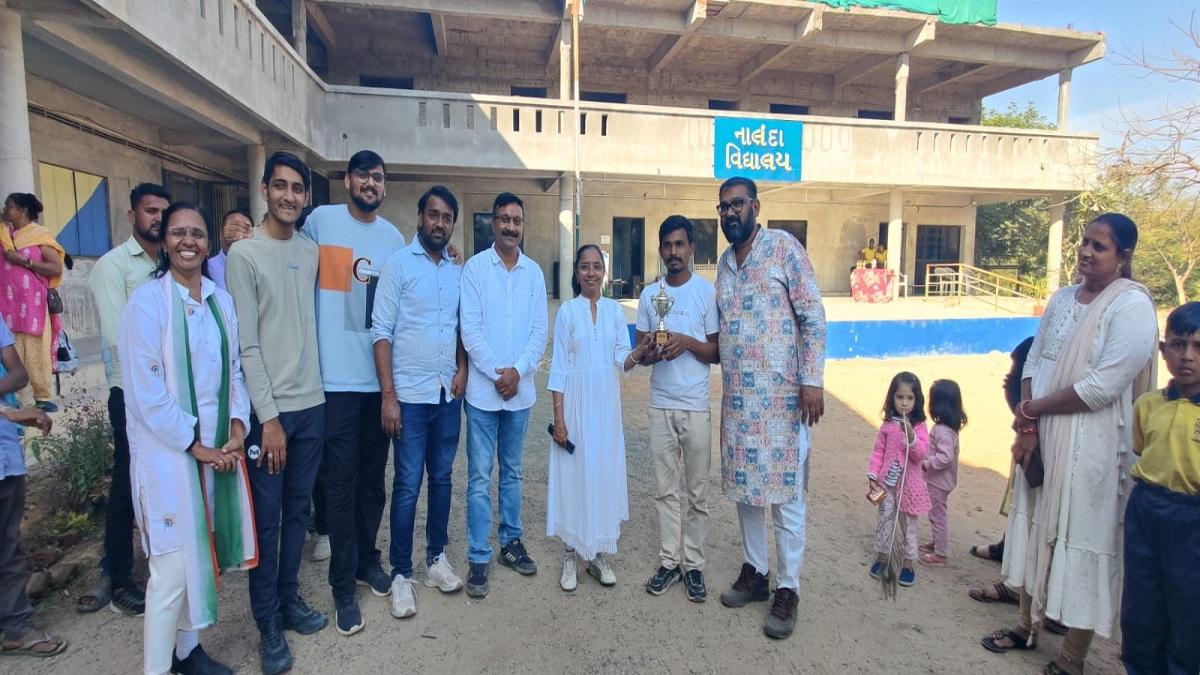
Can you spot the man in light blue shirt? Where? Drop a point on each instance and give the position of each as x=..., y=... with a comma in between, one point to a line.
x=422, y=370
x=503, y=323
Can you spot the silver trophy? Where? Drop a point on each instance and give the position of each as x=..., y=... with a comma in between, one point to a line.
x=662, y=307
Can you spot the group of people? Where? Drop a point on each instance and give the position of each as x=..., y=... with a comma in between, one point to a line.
x=337, y=340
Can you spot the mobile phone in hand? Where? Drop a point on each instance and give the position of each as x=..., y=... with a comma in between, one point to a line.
x=569, y=447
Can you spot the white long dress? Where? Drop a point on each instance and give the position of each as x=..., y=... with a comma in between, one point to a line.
x=588, y=498
x=1084, y=583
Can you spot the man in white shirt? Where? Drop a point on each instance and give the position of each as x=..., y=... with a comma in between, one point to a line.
x=680, y=421
x=422, y=369
x=502, y=312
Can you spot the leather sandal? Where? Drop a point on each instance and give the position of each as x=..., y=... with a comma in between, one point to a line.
x=1017, y=642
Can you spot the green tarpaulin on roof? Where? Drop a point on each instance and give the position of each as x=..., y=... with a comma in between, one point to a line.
x=950, y=11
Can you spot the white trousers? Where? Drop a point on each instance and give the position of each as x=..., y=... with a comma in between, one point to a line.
x=166, y=605
x=789, y=536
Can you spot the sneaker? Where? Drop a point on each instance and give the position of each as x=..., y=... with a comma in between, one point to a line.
x=602, y=570
x=404, y=604
x=908, y=577
x=514, y=556
x=570, y=573
x=198, y=663
x=46, y=406
x=782, y=619
x=375, y=579
x=273, y=649
x=749, y=587
x=662, y=580
x=320, y=550
x=440, y=575
x=693, y=581
x=299, y=617
x=877, y=569
x=477, y=580
x=130, y=601
x=347, y=616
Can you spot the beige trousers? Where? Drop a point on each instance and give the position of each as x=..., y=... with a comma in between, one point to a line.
x=34, y=351
x=681, y=445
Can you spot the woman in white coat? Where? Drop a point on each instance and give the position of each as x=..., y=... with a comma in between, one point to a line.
x=187, y=411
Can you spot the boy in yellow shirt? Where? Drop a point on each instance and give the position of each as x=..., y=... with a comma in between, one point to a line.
x=1160, y=622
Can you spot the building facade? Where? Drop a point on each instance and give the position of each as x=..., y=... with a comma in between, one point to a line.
x=876, y=113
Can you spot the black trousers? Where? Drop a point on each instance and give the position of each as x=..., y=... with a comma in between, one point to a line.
x=117, y=561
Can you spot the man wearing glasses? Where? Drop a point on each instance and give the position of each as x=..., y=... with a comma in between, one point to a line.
x=772, y=348
x=502, y=314
x=354, y=242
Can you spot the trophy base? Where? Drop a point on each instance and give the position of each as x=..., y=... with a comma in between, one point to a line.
x=660, y=338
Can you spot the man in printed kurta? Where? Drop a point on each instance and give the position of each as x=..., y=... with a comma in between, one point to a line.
x=772, y=341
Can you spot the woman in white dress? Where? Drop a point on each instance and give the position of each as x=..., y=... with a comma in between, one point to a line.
x=187, y=411
x=1092, y=355
x=587, y=498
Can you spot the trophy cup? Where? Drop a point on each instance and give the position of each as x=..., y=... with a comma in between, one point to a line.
x=662, y=304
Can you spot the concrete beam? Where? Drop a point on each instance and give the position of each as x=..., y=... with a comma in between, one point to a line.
x=671, y=45
x=767, y=57
x=61, y=11
x=1087, y=54
x=950, y=74
x=1013, y=79
x=321, y=24
x=995, y=54
x=860, y=68
x=300, y=29
x=514, y=10
x=920, y=35
x=437, y=25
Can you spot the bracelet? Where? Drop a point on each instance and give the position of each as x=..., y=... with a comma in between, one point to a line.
x=1024, y=413
x=1027, y=429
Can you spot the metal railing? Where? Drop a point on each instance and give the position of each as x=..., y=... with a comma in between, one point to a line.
x=958, y=280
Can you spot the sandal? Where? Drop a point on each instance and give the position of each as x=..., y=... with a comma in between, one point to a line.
x=931, y=559
x=1003, y=594
x=1053, y=668
x=1016, y=641
x=991, y=552
x=28, y=647
x=96, y=598
x=927, y=547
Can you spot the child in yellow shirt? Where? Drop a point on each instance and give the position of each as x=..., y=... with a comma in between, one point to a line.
x=1160, y=623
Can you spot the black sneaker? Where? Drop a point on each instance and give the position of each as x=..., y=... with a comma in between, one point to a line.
x=513, y=555
x=693, y=581
x=299, y=617
x=198, y=663
x=130, y=601
x=662, y=580
x=477, y=581
x=749, y=587
x=346, y=614
x=273, y=649
x=376, y=580
x=782, y=619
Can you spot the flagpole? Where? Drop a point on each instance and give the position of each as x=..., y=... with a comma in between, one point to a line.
x=576, y=10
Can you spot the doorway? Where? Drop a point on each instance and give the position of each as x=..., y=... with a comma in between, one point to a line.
x=936, y=244
x=628, y=256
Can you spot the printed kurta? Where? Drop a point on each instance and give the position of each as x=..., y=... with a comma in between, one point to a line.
x=772, y=342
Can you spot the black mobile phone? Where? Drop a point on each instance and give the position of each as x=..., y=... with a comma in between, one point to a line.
x=570, y=447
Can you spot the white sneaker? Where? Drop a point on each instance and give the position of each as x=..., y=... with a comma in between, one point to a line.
x=570, y=575
x=600, y=569
x=440, y=575
x=403, y=603
x=320, y=549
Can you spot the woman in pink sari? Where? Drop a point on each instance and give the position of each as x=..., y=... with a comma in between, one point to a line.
x=33, y=264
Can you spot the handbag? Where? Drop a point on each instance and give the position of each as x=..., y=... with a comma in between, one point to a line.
x=1034, y=469
x=54, y=303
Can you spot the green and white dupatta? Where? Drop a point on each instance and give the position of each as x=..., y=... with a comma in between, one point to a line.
x=221, y=514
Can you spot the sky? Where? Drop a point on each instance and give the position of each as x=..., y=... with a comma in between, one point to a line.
x=1103, y=91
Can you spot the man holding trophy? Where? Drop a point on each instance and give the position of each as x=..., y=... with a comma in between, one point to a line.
x=681, y=312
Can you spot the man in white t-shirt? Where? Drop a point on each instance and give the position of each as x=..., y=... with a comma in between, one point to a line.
x=680, y=421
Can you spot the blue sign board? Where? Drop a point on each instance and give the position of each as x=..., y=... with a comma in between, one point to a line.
x=756, y=148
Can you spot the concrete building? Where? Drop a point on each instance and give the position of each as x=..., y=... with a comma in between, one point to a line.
x=880, y=110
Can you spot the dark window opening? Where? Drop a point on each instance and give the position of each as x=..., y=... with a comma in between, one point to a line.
x=706, y=241
x=718, y=104
x=385, y=82
x=960, y=120
x=788, y=109
x=529, y=92
x=796, y=228
x=602, y=96
x=876, y=115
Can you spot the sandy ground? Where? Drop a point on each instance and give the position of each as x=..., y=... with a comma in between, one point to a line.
x=529, y=624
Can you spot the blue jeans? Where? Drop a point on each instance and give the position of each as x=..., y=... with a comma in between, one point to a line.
x=1159, y=620
x=428, y=442
x=281, y=509
x=492, y=434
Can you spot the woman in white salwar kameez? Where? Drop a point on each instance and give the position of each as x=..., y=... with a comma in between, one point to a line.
x=587, y=498
x=187, y=411
x=1092, y=355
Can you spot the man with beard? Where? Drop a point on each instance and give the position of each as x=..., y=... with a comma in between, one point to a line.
x=422, y=369
x=271, y=277
x=353, y=239
x=503, y=315
x=680, y=421
x=772, y=366
x=115, y=276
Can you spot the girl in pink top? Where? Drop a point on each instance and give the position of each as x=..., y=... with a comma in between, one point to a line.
x=941, y=466
x=903, y=431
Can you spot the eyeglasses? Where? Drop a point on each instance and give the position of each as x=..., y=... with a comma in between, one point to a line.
x=736, y=205
x=365, y=176
x=184, y=232
x=509, y=220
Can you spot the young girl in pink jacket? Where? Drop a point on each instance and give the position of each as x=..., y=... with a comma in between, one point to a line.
x=941, y=466
x=903, y=430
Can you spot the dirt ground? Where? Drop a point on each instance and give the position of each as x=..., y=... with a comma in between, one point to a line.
x=530, y=625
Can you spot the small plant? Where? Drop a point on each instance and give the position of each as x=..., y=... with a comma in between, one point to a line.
x=77, y=455
x=64, y=522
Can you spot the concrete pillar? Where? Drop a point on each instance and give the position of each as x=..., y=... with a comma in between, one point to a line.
x=566, y=233
x=564, y=61
x=1064, y=97
x=895, y=247
x=1054, y=243
x=968, y=233
x=300, y=29
x=902, y=87
x=16, y=150
x=256, y=159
